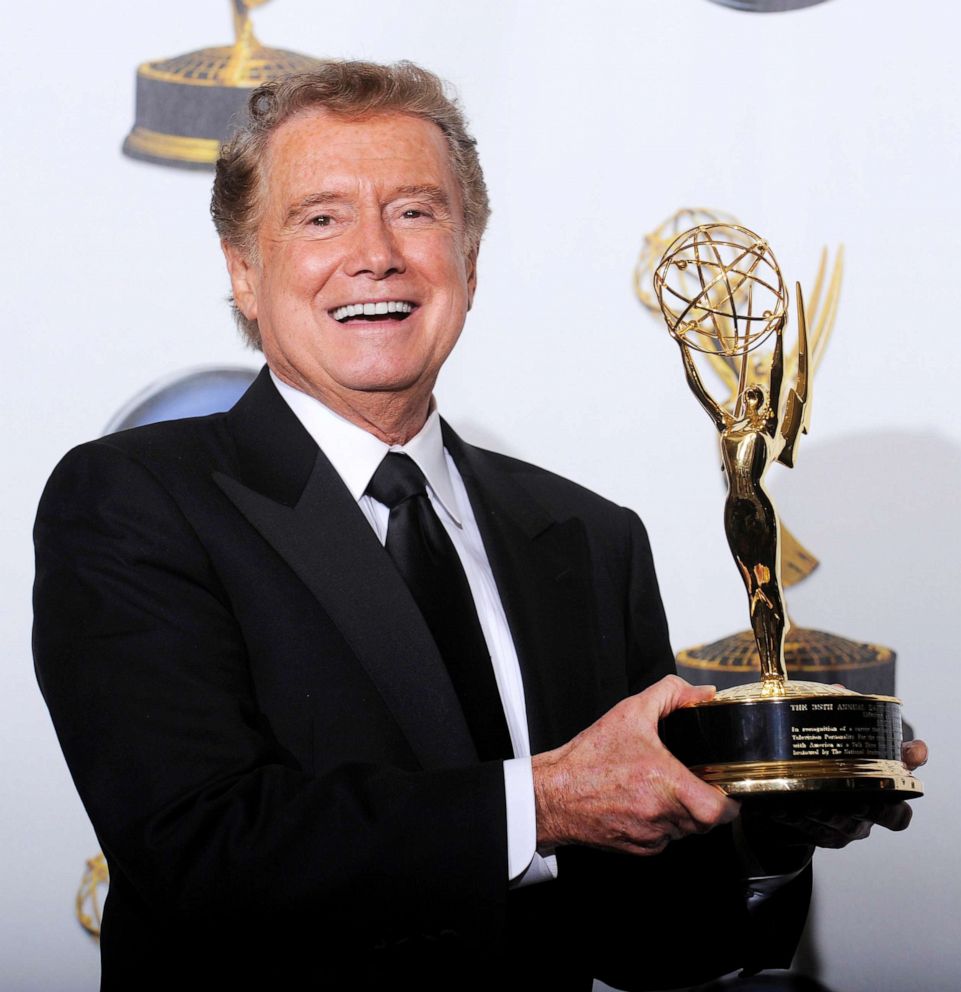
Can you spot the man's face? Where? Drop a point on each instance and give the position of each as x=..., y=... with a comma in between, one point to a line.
x=357, y=216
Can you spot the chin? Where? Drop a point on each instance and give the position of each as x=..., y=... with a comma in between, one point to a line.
x=385, y=385
x=383, y=380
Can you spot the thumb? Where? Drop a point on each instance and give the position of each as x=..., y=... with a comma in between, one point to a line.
x=673, y=693
x=914, y=754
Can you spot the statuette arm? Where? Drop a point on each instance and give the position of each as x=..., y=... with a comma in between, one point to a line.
x=722, y=419
x=794, y=422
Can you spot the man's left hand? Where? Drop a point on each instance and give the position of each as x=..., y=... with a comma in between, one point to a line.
x=779, y=840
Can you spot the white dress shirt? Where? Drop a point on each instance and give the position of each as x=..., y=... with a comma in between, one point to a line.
x=355, y=455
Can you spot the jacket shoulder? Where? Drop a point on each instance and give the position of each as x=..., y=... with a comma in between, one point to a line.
x=173, y=448
x=137, y=477
x=183, y=440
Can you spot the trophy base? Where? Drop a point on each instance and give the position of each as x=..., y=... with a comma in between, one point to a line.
x=763, y=778
x=805, y=739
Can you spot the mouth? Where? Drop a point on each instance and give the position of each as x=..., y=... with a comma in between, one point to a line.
x=367, y=312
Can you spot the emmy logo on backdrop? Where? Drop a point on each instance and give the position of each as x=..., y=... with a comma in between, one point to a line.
x=187, y=105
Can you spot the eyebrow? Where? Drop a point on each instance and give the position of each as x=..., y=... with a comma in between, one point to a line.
x=428, y=192
x=425, y=191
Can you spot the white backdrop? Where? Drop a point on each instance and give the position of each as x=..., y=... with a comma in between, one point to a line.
x=839, y=123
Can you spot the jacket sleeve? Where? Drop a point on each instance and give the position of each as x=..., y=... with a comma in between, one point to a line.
x=198, y=807
x=689, y=920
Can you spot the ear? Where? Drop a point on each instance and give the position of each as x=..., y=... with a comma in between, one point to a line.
x=471, y=276
x=244, y=280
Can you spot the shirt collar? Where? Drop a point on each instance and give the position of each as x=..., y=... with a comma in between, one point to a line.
x=355, y=454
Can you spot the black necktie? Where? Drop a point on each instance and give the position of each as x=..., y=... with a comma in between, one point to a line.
x=426, y=558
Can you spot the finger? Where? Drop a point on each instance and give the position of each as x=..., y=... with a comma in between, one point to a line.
x=644, y=848
x=841, y=819
x=672, y=797
x=707, y=805
x=914, y=754
x=834, y=832
x=895, y=817
x=840, y=837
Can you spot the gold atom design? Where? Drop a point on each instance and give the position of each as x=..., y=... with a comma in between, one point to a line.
x=720, y=290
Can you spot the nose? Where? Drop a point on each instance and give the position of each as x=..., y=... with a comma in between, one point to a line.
x=374, y=251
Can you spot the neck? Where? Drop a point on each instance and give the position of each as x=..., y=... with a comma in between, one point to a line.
x=392, y=417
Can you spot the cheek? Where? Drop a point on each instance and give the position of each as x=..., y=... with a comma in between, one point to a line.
x=297, y=275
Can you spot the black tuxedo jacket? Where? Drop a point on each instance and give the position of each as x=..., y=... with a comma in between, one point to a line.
x=271, y=752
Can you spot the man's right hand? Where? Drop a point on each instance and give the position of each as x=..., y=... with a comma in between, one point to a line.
x=616, y=786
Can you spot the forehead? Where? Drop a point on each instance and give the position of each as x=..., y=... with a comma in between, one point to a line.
x=317, y=151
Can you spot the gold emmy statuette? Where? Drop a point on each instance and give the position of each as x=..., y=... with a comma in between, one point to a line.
x=808, y=653
x=722, y=296
x=188, y=104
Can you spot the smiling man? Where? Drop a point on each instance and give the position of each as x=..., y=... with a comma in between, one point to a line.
x=350, y=702
x=362, y=271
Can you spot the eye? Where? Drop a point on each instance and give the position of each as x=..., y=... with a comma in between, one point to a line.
x=414, y=213
x=321, y=220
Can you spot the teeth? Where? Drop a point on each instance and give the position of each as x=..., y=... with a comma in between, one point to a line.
x=372, y=309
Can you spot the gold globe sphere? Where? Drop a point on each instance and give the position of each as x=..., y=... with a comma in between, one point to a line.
x=720, y=289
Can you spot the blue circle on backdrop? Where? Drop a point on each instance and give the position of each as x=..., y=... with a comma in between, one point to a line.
x=191, y=393
x=768, y=6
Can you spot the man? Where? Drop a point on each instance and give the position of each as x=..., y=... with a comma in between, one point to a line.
x=298, y=771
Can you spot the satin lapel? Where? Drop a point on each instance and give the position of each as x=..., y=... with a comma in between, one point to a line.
x=543, y=575
x=322, y=535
